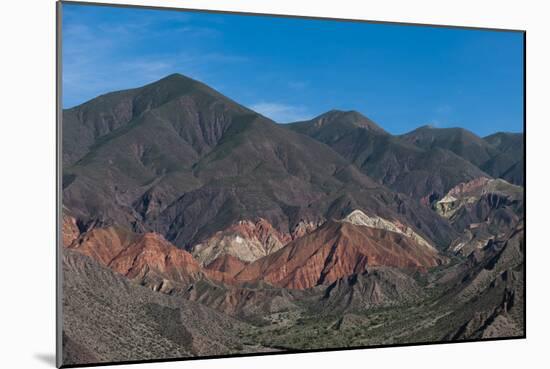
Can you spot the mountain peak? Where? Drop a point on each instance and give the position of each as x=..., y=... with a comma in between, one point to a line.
x=341, y=112
x=431, y=132
x=426, y=127
x=175, y=81
x=346, y=117
x=461, y=141
x=176, y=78
x=434, y=128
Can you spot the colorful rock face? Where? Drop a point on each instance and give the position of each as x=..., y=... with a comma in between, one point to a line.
x=146, y=258
x=336, y=250
x=246, y=241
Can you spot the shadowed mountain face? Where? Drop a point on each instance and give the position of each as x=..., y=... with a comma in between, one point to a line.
x=418, y=171
x=195, y=226
x=499, y=155
x=509, y=162
x=426, y=162
x=458, y=140
x=174, y=100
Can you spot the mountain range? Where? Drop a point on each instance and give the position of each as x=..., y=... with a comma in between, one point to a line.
x=177, y=198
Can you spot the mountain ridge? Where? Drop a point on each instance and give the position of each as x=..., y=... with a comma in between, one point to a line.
x=193, y=165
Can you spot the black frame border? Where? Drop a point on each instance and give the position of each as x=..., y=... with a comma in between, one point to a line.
x=59, y=204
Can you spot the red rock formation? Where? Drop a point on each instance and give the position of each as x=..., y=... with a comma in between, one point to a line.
x=152, y=253
x=246, y=240
x=333, y=251
x=103, y=244
x=227, y=264
x=145, y=257
x=337, y=250
x=151, y=260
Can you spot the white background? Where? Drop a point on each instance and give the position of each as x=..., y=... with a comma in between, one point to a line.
x=27, y=185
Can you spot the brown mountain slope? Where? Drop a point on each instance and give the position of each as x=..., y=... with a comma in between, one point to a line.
x=332, y=126
x=175, y=98
x=191, y=162
x=500, y=155
x=509, y=163
x=394, y=161
x=458, y=140
x=336, y=250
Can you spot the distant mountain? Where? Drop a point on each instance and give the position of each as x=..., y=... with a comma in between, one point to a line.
x=499, y=155
x=420, y=171
x=506, y=142
x=424, y=163
x=458, y=140
x=188, y=162
x=334, y=125
x=509, y=163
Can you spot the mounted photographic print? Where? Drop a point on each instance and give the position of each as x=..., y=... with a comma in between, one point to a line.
x=249, y=184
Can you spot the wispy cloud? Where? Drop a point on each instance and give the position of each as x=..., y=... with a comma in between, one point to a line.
x=444, y=109
x=443, y=116
x=102, y=57
x=434, y=123
x=281, y=113
x=297, y=85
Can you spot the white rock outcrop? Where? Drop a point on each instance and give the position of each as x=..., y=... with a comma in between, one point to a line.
x=357, y=217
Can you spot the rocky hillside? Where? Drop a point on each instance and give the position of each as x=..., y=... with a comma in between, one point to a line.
x=481, y=210
x=426, y=162
x=402, y=165
x=107, y=318
x=509, y=162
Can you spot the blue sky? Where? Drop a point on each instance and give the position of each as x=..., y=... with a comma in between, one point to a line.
x=292, y=69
